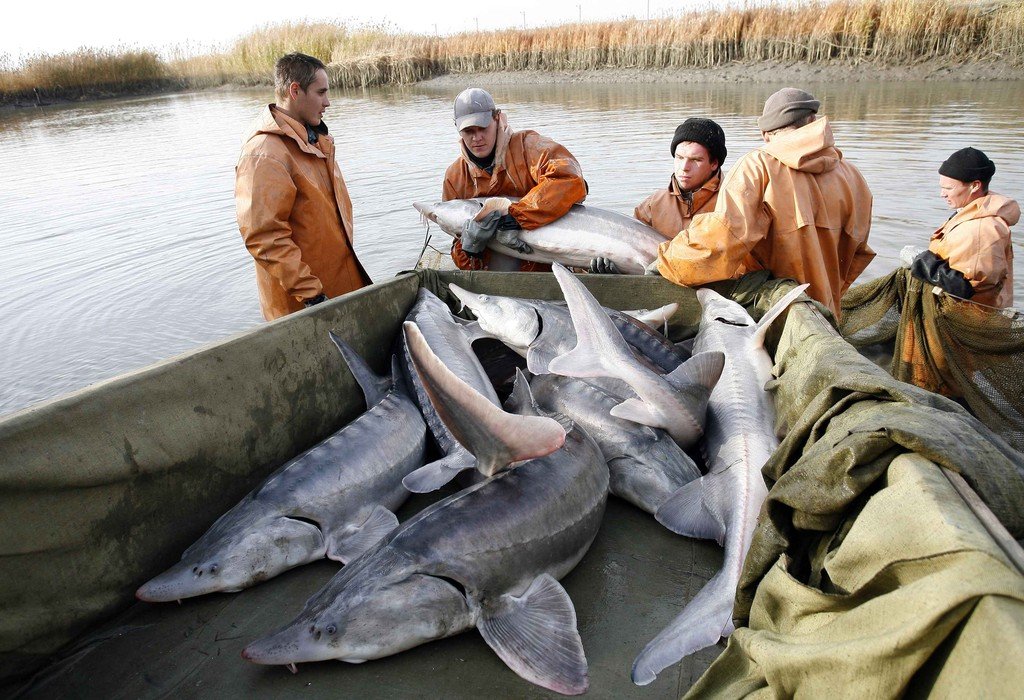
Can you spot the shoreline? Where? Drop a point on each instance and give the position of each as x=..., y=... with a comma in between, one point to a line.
x=760, y=72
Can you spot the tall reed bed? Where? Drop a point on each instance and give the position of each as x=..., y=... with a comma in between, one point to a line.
x=885, y=32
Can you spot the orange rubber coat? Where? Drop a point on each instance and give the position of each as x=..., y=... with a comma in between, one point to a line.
x=794, y=207
x=544, y=174
x=295, y=216
x=976, y=241
x=668, y=212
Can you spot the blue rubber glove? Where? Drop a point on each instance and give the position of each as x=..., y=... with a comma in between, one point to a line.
x=604, y=266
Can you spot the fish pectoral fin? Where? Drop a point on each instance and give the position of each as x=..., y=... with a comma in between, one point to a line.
x=434, y=475
x=350, y=541
x=637, y=411
x=693, y=510
x=535, y=635
x=771, y=314
x=538, y=359
x=472, y=329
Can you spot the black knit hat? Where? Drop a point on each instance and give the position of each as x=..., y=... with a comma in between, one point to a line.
x=705, y=132
x=967, y=165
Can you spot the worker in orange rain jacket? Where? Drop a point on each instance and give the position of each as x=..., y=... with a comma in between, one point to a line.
x=496, y=163
x=292, y=204
x=698, y=151
x=970, y=255
x=794, y=207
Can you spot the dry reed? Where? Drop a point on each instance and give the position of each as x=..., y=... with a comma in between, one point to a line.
x=889, y=32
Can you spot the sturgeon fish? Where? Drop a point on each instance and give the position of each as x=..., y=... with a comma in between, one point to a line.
x=450, y=338
x=724, y=504
x=676, y=402
x=335, y=499
x=646, y=466
x=575, y=239
x=541, y=330
x=488, y=556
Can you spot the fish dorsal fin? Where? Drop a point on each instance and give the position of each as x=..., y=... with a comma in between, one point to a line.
x=535, y=635
x=431, y=477
x=600, y=349
x=494, y=437
x=696, y=509
x=351, y=540
x=777, y=308
x=374, y=386
x=521, y=401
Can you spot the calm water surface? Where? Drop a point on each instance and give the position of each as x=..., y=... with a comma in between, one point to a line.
x=119, y=227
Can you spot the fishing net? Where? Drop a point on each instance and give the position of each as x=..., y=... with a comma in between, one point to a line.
x=947, y=345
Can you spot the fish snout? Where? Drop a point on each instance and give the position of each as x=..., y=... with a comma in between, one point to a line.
x=425, y=210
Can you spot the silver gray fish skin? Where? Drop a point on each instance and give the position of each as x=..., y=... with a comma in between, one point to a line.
x=739, y=439
x=575, y=239
x=450, y=341
x=541, y=330
x=336, y=499
x=441, y=572
x=646, y=466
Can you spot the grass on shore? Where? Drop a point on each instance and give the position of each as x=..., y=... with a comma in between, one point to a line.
x=889, y=32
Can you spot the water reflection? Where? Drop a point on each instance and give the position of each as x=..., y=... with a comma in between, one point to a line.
x=122, y=247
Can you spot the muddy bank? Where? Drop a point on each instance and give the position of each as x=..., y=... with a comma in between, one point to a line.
x=760, y=72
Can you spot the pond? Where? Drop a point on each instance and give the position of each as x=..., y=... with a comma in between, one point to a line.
x=120, y=225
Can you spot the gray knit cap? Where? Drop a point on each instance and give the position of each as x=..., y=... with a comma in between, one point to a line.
x=785, y=107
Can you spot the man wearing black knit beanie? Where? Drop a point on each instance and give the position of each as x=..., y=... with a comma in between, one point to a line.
x=970, y=255
x=698, y=150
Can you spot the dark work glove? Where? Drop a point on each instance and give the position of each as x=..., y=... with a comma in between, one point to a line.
x=508, y=223
x=477, y=234
x=318, y=299
x=604, y=266
x=509, y=239
x=935, y=271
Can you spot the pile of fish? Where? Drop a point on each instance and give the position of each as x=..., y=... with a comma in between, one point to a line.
x=606, y=403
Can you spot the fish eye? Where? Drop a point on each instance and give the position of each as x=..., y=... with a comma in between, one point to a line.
x=213, y=568
x=331, y=628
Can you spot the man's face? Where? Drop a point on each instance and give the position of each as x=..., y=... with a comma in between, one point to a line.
x=309, y=104
x=479, y=140
x=693, y=165
x=956, y=193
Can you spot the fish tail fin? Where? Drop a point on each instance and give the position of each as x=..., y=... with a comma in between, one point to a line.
x=705, y=620
x=373, y=385
x=494, y=437
x=773, y=313
x=600, y=349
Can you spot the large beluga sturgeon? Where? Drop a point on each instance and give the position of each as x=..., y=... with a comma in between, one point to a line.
x=450, y=339
x=335, y=499
x=646, y=465
x=541, y=330
x=575, y=239
x=676, y=402
x=489, y=556
x=724, y=504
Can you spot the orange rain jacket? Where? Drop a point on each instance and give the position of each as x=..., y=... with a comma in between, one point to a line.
x=295, y=216
x=794, y=207
x=976, y=241
x=668, y=212
x=543, y=173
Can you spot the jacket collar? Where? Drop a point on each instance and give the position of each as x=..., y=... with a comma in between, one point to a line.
x=810, y=149
x=699, y=197
x=273, y=121
x=991, y=204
